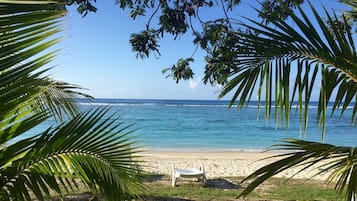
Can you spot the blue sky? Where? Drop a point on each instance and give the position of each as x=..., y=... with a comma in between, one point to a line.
x=96, y=55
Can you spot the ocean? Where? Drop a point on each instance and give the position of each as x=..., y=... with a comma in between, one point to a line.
x=208, y=125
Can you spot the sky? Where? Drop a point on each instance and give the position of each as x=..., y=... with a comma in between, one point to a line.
x=96, y=55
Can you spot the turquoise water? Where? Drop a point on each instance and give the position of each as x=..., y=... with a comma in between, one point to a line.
x=209, y=125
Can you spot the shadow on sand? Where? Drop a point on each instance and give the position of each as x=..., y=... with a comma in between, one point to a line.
x=153, y=177
x=165, y=199
x=222, y=184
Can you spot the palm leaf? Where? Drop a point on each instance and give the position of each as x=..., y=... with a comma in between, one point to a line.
x=270, y=53
x=28, y=28
x=341, y=165
x=90, y=147
x=312, y=47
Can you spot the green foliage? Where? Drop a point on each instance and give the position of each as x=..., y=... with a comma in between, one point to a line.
x=25, y=33
x=175, y=18
x=84, y=6
x=180, y=71
x=173, y=21
x=144, y=43
x=218, y=41
x=266, y=59
x=88, y=147
x=272, y=10
x=352, y=14
x=341, y=164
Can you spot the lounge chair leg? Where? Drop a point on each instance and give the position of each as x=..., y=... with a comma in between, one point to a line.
x=173, y=177
x=204, y=179
x=204, y=175
x=173, y=182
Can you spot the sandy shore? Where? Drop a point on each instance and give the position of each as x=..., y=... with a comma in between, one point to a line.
x=217, y=164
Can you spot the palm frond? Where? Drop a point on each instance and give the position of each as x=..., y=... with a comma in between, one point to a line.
x=91, y=147
x=267, y=57
x=352, y=13
x=339, y=162
x=28, y=29
x=60, y=98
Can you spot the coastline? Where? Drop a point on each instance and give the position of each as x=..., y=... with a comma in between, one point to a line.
x=219, y=163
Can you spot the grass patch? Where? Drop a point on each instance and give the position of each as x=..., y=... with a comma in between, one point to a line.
x=229, y=188
x=298, y=189
x=159, y=188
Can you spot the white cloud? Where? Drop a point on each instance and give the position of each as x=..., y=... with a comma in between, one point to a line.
x=194, y=83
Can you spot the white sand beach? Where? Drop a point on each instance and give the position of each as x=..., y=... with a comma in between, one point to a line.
x=218, y=163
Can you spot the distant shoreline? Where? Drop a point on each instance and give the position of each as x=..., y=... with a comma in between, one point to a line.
x=201, y=125
x=206, y=150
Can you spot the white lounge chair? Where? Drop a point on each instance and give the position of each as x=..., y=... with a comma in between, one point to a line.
x=188, y=173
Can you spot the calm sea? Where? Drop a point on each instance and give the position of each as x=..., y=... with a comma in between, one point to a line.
x=210, y=125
